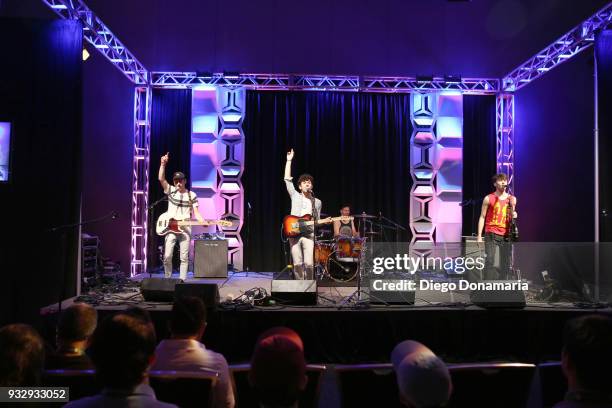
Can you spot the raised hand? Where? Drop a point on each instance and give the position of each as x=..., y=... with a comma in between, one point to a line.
x=165, y=158
x=290, y=155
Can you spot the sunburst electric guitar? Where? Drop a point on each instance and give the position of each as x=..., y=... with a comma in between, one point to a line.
x=294, y=226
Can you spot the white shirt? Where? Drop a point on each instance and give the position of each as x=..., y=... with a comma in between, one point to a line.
x=300, y=204
x=180, y=204
x=191, y=355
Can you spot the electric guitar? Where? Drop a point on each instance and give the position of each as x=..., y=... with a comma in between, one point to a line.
x=294, y=226
x=166, y=224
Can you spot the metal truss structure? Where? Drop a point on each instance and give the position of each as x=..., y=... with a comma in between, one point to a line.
x=424, y=228
x=504, y=125
x=140, y=179
x=569, y=45
x=324, y=82
x=101, y=37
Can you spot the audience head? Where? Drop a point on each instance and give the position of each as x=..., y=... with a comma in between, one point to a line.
x=278, y=368
x=188, y=318
x=587, y=353
x=76, y=324
x=21, y=356
x=422, y=378
x=122, y=348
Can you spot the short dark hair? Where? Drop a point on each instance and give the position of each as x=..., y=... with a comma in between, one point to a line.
x=277, y=367
x=587, y=343
x=499, y=177
x=77, y=322
x=22, y=356
x=305, y=177
x=121, y=349
x=188, y=315
x=345, y=205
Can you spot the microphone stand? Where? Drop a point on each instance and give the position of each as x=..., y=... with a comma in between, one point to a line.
x=150, y=209
x=315, y=217
x=62, y=230
x=248, y=238
x=396, y=226
x=470, y=202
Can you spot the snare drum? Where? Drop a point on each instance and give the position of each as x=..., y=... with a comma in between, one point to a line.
x=349, y=247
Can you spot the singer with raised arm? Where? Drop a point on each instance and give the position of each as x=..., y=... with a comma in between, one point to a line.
x=497, y=213
x=182, y=204
x=302, y=203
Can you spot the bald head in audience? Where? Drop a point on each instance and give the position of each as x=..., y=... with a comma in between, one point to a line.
x=422, y=378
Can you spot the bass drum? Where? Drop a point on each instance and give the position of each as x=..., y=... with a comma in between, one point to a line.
x=341, y=271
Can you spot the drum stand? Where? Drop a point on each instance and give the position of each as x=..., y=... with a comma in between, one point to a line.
x=356, y=295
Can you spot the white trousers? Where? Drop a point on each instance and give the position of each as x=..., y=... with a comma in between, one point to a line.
x=183, y=241
x=302, y=253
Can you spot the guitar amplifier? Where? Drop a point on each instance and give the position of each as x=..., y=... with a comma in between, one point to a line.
x=210, y=258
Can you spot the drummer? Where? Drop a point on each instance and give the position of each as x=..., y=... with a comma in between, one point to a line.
x=345, y=229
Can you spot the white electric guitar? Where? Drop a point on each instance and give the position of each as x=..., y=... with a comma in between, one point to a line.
x=166, y=224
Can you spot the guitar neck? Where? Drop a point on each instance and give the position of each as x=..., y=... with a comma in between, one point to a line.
x=194, y=223
x=327, y=220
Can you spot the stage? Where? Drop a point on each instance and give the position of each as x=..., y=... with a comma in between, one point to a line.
x=337, y=332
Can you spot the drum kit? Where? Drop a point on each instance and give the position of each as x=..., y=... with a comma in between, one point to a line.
x=339, y=259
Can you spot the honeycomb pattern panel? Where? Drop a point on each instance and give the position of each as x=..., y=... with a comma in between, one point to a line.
x=217, y=160
x=436, y=150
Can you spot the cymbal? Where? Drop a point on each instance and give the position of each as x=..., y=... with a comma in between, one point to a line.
x=364, y=215
x=372, y=233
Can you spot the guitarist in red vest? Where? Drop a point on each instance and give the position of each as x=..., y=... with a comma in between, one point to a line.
x=497, y=208
x=302, y=203
x=181, y=204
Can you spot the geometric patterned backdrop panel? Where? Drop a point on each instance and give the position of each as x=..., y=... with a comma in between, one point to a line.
x=217, y=160
x=436, y=148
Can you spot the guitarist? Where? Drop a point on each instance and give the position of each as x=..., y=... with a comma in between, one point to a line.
x=495, y=220
x=181, y=204
x=302, y=203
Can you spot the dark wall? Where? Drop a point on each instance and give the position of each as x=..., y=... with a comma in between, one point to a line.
x=40, y=94
x=603, y=52
x=554, y=154
x=108, y=139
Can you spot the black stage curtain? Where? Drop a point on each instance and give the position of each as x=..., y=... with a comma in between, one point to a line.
x=40, y=94
x=170, y=132
x=603, y=55
x=479, y=156
x=356, y=145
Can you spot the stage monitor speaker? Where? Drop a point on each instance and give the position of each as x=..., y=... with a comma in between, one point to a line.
x=394, y=297
x=158, y=289
x=491, y=299
x=295, y=292
x=379, y=297
x=210, y=258
x=208, y=292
